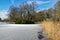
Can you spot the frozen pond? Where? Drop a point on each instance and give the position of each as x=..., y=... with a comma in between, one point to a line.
x=19, y=32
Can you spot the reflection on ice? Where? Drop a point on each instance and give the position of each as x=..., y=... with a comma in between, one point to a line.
x=1, y=23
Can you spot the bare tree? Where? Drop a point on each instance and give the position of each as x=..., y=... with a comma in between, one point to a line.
x=57, y=11
x=24, y=12
x=13, y=14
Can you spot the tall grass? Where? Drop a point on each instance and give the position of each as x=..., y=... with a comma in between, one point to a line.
x=52, y=29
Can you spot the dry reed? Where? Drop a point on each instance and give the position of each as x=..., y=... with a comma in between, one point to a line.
x=52, y=29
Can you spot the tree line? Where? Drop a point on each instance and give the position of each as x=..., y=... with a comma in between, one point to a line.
x=52, y=14
x=26, y=14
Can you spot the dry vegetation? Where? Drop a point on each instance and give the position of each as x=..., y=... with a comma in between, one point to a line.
x=52, y=29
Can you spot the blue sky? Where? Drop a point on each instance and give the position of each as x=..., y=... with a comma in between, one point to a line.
x=41, y=5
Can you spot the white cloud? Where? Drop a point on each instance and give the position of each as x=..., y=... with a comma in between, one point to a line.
x=42, y=2
x=39, y=2
x=3, y=14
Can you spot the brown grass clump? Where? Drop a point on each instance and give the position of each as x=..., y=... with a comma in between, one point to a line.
x=52, y=29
